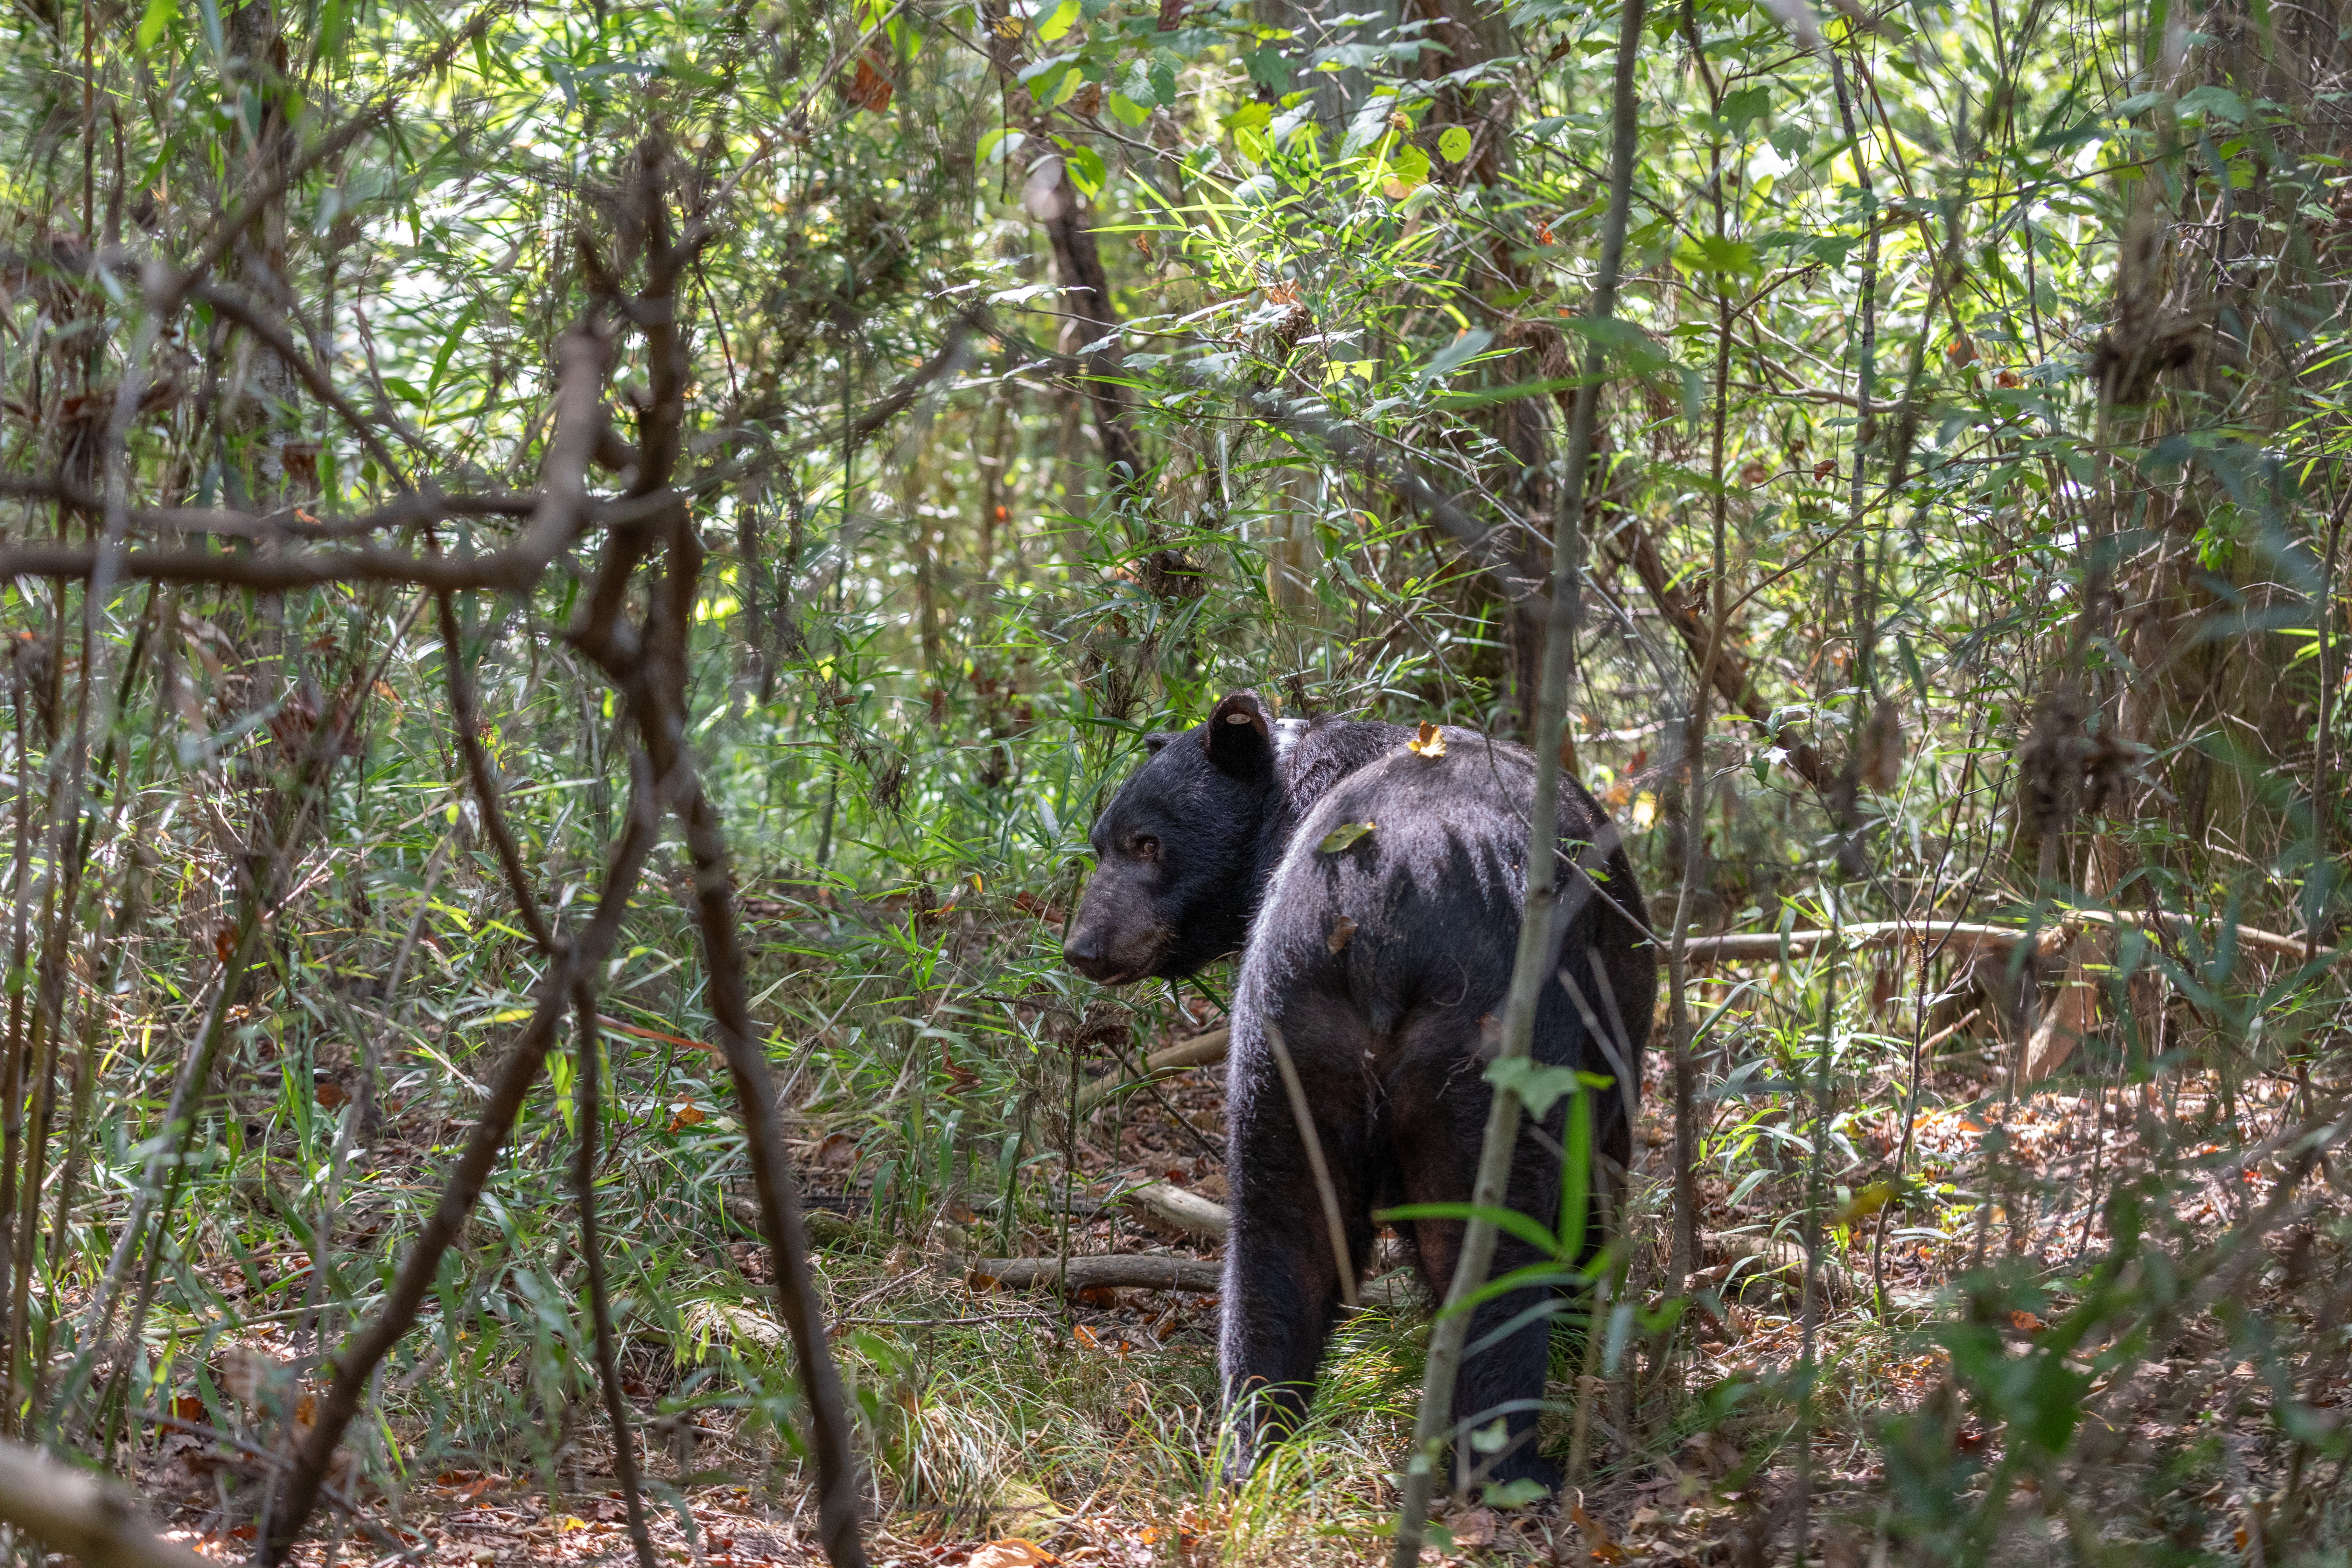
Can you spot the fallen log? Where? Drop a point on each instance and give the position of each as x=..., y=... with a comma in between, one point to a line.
x=1142, y=1271
x=1188, y=1212
x=1199, y=1051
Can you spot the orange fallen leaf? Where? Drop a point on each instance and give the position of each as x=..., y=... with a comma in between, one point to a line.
x=687, y=1116
x=1012, y=1551
x=1596, y=1544
x=331, y=1095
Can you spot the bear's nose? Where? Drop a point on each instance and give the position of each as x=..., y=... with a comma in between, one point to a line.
x=1082, y=951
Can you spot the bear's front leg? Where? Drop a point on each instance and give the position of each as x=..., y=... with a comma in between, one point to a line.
x=1282, y=1281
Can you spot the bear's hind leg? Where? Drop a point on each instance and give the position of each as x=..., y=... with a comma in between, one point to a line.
x=1282, y=1281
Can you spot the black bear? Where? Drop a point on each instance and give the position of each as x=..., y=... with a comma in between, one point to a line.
x=1381, y=958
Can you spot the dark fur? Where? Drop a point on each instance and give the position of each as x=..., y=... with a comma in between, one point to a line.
x=1213, y=845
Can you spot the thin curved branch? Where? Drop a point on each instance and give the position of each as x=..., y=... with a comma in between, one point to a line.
x=79, y=1515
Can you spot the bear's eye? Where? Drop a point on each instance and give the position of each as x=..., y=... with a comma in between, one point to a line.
x=1143, y=846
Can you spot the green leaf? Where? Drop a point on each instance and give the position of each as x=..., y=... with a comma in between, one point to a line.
x=1715, y=254
x=1466, y=347
x=1744, y=107
x=160, y=13
x=2218, y=101
x=1128, y=111
x=448, y=346
x=1410, y=167
x=1030, y=75
x=1064, y=17
x=1454, y=144
x=1512, y=1220
x=1268, y=69
x=1538, y=1086
x=1344, y=835
x=1086, y=170
x=1515, y=1494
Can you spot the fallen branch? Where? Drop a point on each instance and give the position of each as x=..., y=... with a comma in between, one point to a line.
x=1786, y=1260
x=1958, y=938
x=1199, y=1051
x=1963, y=939
x=79, y=1516
x=1143, y=1271
x=1188, y=1212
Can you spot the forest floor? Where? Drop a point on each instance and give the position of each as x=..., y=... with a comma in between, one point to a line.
x=1014, y=1429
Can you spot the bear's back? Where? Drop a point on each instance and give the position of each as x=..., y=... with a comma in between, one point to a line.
x=1422, y=907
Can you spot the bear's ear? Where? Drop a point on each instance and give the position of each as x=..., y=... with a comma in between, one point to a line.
x=1237, y=737
x=1157, y=742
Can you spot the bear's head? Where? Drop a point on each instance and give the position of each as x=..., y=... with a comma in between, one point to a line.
x=1177, y=851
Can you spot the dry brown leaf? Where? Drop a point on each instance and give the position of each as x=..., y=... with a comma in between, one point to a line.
x=1342, y=929
x=1882, y=747
x=1475, y=1528
x=961, y=1078
x=1012, y=1551
x=1429, y=742
x=1596, y=1544
x=687, y=1116
x=870, y=89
